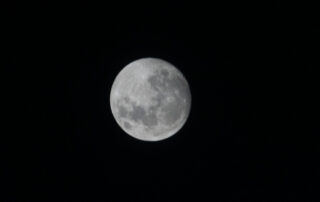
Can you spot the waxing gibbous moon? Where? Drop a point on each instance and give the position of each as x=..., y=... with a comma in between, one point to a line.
x=150, y=99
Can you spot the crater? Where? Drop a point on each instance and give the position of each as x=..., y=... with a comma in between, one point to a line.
x=127, y=100
x=173, y=110
x=127, y=125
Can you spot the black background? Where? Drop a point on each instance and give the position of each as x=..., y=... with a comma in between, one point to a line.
x=253, y=127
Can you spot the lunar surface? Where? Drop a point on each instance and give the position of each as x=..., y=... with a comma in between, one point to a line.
x=150, y=99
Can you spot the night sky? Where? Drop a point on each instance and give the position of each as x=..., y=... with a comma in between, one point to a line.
x=252, y=133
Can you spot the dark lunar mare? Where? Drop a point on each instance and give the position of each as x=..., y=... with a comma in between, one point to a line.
x=127, y=125
x=137, y=114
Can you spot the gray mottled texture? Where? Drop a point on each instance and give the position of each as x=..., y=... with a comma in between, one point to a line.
x=127, y=125
x=162, y=83
x=150, y=99
x=139, y=113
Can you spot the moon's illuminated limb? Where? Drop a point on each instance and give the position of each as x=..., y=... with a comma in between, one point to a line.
x=150, y=99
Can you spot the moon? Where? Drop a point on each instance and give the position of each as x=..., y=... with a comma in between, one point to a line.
x=150, y=99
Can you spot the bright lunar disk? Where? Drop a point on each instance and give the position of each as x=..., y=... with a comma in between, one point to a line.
x=150, y=99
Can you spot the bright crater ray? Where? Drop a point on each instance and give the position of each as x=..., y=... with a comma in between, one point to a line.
x=150, y=99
